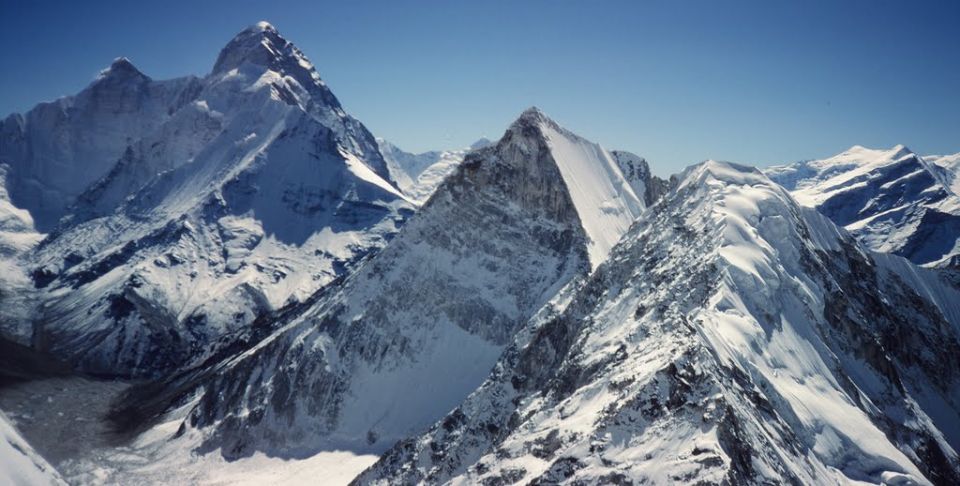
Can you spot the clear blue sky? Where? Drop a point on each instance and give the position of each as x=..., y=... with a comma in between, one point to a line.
x=676, y=81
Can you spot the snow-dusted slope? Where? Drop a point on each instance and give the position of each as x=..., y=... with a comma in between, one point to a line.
x=418, y=326
x=892, y=200
x=20, y=465
x=733, y=337
x=253, y=195
x=17, y=236
x=17, y=233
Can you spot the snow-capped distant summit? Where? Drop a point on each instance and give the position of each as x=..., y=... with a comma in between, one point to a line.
x=121, y=67
x=891, y=199
x=637, y=171
x=481, y=143
x=57, y=149
x=419, y=175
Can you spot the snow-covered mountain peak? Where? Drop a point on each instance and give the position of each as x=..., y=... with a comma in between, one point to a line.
x=861, y=155
x=722, y=172
x=533, y=116
x=259, y=44
x=605, y=201
x=262, y=45
x=812, y=182
x=732, y=337
x=261, y=26
x=122, y=68
x=637, y=172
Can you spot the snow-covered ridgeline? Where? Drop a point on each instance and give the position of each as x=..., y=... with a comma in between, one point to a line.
x=20, y=465
x=732, y=336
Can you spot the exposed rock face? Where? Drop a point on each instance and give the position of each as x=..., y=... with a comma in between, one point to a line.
x=431, y=312
x=891, y=200
x=636, y=170
x=247, y=192
x=732, y=337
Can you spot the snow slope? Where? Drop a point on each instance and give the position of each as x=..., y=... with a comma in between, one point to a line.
x=949, y=168
x=20, y=465
x=249, y=198
x=732, y=337
x=892, y=200
x=605, y=201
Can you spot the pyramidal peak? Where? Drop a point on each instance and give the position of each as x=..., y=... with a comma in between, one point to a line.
x=121, y=68
x=534, y=116
x=262, y=45
x=259, y=44
x=605, y=202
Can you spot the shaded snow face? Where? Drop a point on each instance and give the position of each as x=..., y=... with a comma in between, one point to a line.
x=732, y=336
x=57, y=149
x=248, y=197
x=891, y=200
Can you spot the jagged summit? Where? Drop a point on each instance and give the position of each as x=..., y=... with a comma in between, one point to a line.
x=605, y=201
x=121, y=67
x=531, y=117
x=260, y=44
